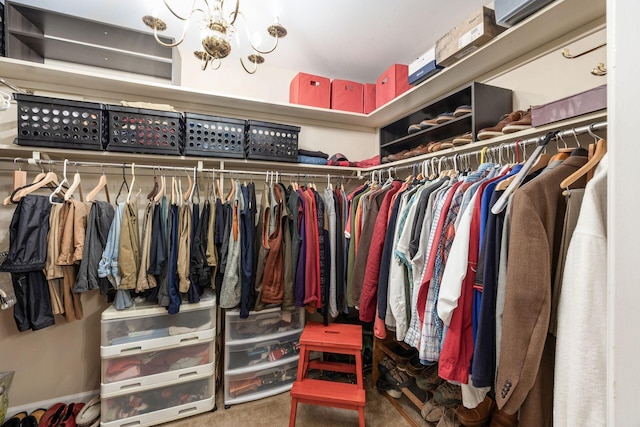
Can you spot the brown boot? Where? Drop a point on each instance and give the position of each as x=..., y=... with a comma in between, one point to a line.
x=518, y=125
x=477, y=416
x=496, y=130
x=502, y=419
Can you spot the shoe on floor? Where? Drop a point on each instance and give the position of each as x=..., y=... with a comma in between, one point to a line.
x=432, y=411
x=53, y=415
x=392, y=391
x=462, y=139
x=492, y=132
x=448, y=394
x=478, y=416
x=428, y=380
x=502, y=419
x=449, y=419
x=462, y=110
x=518, y=125
x=89, y=413
x=15, y=420
x=414, y=367
x=385, y=365
x=444, y=117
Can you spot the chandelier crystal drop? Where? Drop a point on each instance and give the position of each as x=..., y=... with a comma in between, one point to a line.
x=217, y=25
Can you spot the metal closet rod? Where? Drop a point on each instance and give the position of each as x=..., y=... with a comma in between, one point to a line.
x=32, y=161
x=593, y=127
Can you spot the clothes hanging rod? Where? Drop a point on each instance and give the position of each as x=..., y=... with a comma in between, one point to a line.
x=593, y=127
x=161, y=168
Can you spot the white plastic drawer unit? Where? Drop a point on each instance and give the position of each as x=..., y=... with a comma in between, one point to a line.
x=158, y=405
x=246, y=355
x=147, y=326
x=248, y=386
x=259, y=325
x=129, y=373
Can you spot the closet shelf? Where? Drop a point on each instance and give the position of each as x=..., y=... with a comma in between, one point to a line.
x=507, y=138
x=547, y=25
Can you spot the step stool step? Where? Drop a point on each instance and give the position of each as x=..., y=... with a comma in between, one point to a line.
x=330, y=392
x=333, y=335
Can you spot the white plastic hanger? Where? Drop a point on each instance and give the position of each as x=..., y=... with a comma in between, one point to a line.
x=133, y=182
x=62, y=183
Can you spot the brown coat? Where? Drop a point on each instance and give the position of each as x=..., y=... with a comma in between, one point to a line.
x=525, y=369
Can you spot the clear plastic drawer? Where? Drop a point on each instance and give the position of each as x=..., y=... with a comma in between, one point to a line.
x=257, y=354
x=255, y=385
x=261, y=324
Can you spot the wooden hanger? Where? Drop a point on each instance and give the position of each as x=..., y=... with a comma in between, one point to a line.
x=232, y=191
x=601, y=150
x=102, y=184
x=19, y=178
x=76, y=184
x=49, y=178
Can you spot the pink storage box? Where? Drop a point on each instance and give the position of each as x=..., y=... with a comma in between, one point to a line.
x=347, y=96
x=307, y=89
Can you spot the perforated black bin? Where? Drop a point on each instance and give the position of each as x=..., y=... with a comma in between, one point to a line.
x=272, y=141
x=144, y=131
x=59, y=123
x=213, y=136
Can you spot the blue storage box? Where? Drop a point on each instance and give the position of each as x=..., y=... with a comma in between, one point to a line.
x=423, y=67
x=510, y=12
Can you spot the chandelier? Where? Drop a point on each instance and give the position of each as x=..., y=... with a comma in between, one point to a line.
x=218, y=26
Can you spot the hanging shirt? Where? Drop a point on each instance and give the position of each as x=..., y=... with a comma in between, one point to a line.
x=230, y=292
x=262, y=242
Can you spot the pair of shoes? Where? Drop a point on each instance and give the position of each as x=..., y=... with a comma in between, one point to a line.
x=61, y=415
x=397, y=156
x=512, y=122
x=21, y=419
x=390, y=389
x=429, y=379
x=462, y=139
x=385, y=365
x=448, y=394
x=89, y=415
x=432, y=411
x=449, y=419
x=413, y=367
x=398, y=378
x=462, y=110
x=16, y=420
x=478, y=416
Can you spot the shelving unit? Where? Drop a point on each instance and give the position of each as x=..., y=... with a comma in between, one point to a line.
x=261, y=356
x=165, y=363
x=487, y=104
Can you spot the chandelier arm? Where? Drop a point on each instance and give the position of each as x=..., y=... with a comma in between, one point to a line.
x=180, y=40
x=255, y=67
x=205, y=62
x=264, y=52
x=166, y=4
x=219, y=63
x=234, y=14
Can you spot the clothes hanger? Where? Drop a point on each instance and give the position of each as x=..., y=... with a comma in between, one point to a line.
x=173, y=190
x=102, y=183
x=601, y=150
x=501, y=203
x=232, y=191
x=152, y=194
x=75, y=184
x=187, y=195
x=124, y=184
x=16, y=195
x=19, y=177
x=133, y=182
x=62, y=183
x=179, y=191
x=195, y=190
x=163, y=189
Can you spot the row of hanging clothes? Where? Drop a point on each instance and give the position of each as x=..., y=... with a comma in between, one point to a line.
x=478, y=271
x=278, y=252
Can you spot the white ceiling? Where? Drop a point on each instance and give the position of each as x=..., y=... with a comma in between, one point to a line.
x=348, y=39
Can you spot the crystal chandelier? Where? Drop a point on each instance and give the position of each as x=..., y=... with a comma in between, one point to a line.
x=217, y=27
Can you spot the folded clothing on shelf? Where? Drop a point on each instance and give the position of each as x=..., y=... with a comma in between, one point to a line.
x=339, y=159
x=310, y=153
x=309, y=160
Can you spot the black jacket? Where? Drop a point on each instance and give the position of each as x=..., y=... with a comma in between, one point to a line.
x=98, y=224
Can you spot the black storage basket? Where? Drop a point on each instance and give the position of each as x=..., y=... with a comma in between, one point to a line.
x=144, y=131
x=272, y=141
x=59, y=123
x=213, y=136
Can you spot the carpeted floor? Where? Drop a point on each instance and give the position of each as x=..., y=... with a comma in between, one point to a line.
x=274, y=411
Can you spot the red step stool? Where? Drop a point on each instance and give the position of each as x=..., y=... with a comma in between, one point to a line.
x=334, y=338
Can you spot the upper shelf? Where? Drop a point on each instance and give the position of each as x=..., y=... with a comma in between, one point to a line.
x=548, y=24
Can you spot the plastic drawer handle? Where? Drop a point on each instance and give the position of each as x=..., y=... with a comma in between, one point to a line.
x=135, y=423
x=182, y=411
x=124, y=350
x=124, y=387
x=189, y=339
x=188, y=374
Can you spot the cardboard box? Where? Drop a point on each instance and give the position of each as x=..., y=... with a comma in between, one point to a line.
x=347, y=96
x=468, y=36
x=423, y=67
x=510, y=12
x=393, y=82
x=369, y=96
x=581, y=103
x=307, y=89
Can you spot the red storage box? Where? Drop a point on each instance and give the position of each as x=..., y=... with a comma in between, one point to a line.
x=307, y=89
x=346, y=95
x=393, y=82
x=369, y=97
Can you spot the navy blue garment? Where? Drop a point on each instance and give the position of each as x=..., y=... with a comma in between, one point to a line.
x=158, y=258
x=253, y=210
x=339, y=255
x=323, y=238
x=302, y=255
x=383, y=276
x=174, y=292
x=218, y=237
x=246, y=253
x=200, y=272
x=194, y=285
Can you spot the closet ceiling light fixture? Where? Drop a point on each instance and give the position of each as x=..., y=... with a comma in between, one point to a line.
x=218, y=26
